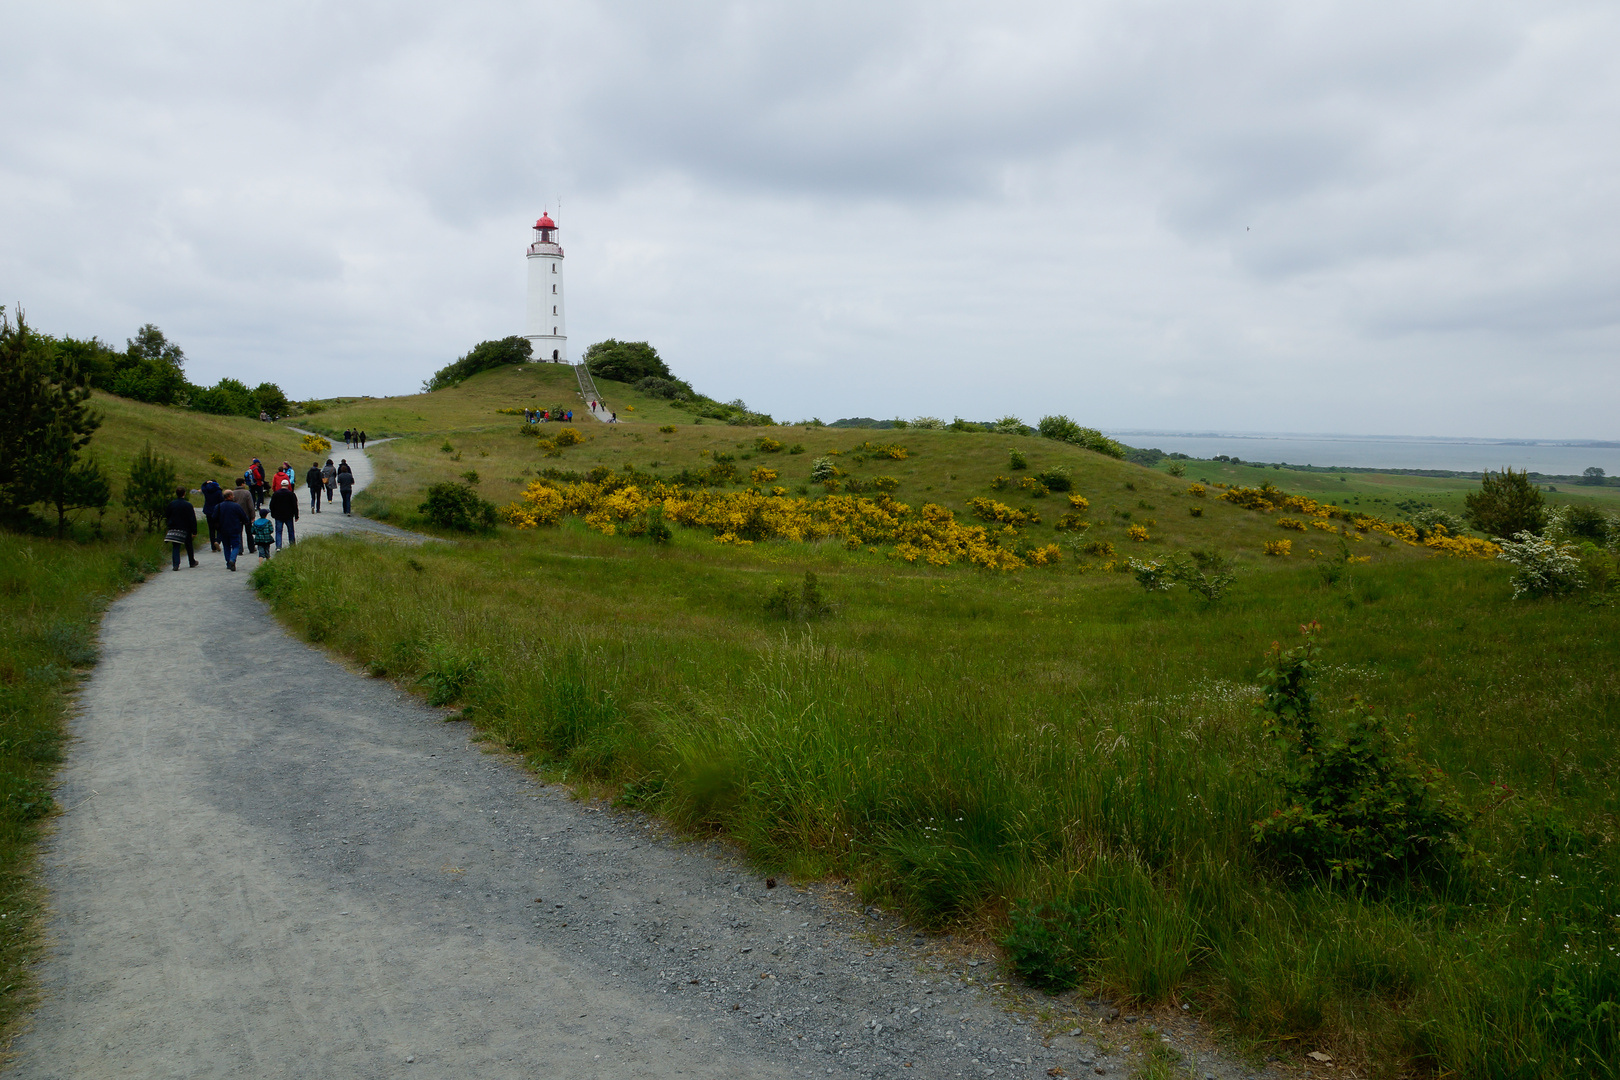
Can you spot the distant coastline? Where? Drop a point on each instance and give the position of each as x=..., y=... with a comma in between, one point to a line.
x=1423, y=455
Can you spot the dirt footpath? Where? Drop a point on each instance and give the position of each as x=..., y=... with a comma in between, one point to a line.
x=274, y=866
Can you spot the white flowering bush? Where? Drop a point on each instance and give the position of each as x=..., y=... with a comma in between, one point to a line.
x=1542, y=567
x=1152, y=575
x=929, y=423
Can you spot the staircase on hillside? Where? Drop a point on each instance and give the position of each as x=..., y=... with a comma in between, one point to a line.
x=587, y=389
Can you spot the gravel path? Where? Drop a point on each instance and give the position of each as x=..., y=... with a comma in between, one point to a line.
x=274, y=866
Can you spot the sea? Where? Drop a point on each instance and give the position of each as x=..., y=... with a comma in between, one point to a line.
x=1546, y=456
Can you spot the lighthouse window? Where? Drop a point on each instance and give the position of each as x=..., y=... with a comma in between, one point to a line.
x=553, y=268
x=554, y=309
x=553, y=288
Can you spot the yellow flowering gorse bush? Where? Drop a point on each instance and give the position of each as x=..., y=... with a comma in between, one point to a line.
x=931, y=535
x=1267, y=499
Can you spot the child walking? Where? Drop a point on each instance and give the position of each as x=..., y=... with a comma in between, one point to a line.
x=263, y=533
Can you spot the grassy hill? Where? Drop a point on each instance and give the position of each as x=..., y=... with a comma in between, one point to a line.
x=969, y=744
x=187, y=438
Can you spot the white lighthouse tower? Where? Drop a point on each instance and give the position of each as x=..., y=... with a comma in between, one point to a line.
x=547, y=328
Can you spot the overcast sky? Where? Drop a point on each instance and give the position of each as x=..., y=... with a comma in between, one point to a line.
x=1388, y=218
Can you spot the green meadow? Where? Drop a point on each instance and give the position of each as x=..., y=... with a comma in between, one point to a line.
x=1053, y=749
x=970, y=744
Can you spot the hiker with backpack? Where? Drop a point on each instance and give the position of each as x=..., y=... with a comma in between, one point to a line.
x=212, y=493
x=255, y=481
x=329, y=474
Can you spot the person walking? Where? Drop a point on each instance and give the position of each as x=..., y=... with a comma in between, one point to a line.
x=284, y=511
x=346, y=434
x=182, y=524
x=255, y=481
x=243, y=494
x=212, y=493
x=235, y=519
x=263, y=533
x=315, y=481
x=329, y=474
x=362, y=440
x=345, y=479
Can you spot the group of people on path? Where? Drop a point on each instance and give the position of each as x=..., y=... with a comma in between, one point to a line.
x=354, y=439
x=543, y=416
x=598, y=407
x=232, y=524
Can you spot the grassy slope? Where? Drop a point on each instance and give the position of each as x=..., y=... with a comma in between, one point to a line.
x=1099, y=736
x=960, y=739
x=51, y=598
x=187, y=438
x=469, y=412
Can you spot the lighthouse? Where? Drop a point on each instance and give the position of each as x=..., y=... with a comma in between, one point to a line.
x=547, y=329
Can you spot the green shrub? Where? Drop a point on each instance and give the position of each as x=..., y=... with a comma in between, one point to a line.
x=150, y=487
x=1055, y=478
x=1425, y=520
x=808, y=601
x=1063, y=429
x=1581, y=522
x=451, y=673
x=628, y=361
x=457, y=506
x=482, y=357
x=1016, y=460
x=1506, y=503
x=822, y=469
x=1048, y=945
x=1358, y=805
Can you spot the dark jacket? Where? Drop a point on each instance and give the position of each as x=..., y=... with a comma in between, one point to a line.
x=183, y=516
x=313, y=478
x=232, y=519
x=345, y=478
x=212, y=493
x=284, y=505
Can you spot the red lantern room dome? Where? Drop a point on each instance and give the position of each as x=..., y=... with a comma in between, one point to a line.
x=545, y=222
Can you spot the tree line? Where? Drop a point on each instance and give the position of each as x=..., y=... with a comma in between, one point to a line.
x=46, y=421
x=152, y=368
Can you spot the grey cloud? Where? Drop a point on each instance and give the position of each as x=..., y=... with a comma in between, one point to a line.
x=1151, y=208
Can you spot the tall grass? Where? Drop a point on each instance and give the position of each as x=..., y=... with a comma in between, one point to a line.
x=961, y=743
x=51, y=597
